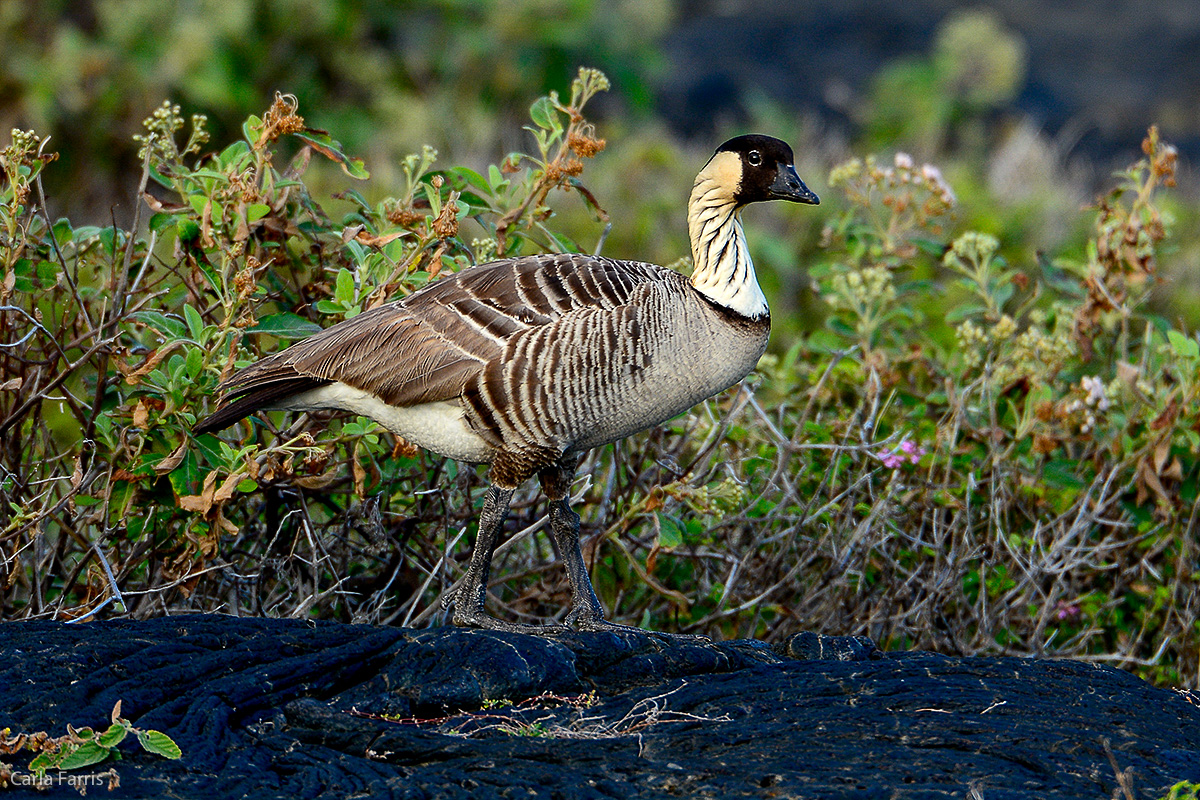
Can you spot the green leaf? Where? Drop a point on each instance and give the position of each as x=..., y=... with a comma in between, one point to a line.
x=356, y=168
x=135, y=526
x=108, y=239
x=22, y=269
x=358, y=251
x=185, y=479
x=170, y=328
x=1062, y=474
x=471, y=203
x=962, y=312
x=496, y=178
x=670, y=532
x=395, y=249
x=195, y=362
x=113, y=736
x=251, y=129
x=1003, y=293
x=160, y=179
x=1184, y=346
x=212, y=449
x=344, y=288
x=211, y=174
x=85, y=755
x=286, y=326
x=162, y=221
x=354, y=196
x=933, y=247
x=234, y=152
x=160, y=744
x=542, y=138
x=839, y=326
x=85, y=232
x=256, y=211
x=564, y=243
x=1057, y=278
x=188, y=230
x=62, y=230
x=544, y=115
x=43, y=761
x=470, y=177
x=194, y=322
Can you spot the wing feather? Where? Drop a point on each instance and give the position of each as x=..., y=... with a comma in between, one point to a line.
x=432, y=344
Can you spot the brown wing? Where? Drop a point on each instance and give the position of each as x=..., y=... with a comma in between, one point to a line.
x=428, y=346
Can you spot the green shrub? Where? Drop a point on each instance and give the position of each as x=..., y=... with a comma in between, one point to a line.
x=78, y=748
x=971, y=455
x=1008, y=459
x=1184, y=790
x=130, y=336
x=387, y=77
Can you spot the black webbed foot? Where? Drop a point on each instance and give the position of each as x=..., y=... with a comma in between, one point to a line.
x=598, y=624
x=477, y=619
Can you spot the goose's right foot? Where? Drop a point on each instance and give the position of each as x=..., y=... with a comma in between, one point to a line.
x=476, y=618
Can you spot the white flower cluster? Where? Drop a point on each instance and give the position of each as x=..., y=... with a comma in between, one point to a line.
x=972, y=342
x=1034, y=354
x=858, y=175
x=863, y=290
x=1095, y=392
x=1095, y=399
x=971, y=252
x=484, y=250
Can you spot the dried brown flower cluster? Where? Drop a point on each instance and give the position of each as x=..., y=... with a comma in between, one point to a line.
x=281, y=119
x=583, y=142
x=1127, y=237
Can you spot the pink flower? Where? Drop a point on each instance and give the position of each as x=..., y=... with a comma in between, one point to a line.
x=1067, y=610
x=908, y=450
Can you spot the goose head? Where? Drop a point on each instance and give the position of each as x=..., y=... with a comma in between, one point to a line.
x=754, y=168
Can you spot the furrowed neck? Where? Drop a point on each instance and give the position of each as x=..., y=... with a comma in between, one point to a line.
x=723, y=270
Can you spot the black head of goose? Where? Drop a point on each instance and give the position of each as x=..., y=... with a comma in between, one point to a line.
x=526, y=363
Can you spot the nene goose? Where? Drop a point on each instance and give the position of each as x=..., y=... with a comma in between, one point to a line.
x=526, y=363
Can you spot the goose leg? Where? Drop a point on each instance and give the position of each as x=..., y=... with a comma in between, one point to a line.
x=471, y=596
x=586, y=612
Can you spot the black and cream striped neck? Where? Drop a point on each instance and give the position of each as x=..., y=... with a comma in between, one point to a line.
x=723, y=271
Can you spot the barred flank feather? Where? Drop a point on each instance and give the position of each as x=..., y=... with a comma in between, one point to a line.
x=553, y=354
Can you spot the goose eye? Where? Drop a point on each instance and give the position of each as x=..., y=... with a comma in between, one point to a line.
x=754, y=158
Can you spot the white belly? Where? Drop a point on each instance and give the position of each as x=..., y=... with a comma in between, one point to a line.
x=439, y=426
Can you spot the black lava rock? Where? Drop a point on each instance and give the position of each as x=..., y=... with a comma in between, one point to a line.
x=283, y=708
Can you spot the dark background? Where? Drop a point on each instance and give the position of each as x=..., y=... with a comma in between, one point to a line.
x=389, y=77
